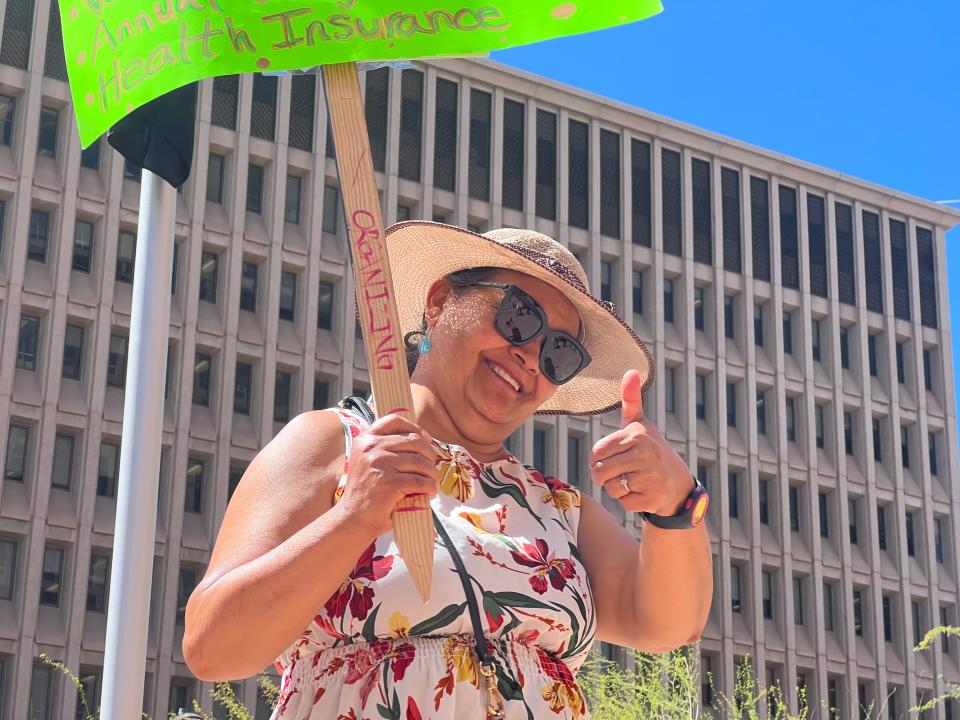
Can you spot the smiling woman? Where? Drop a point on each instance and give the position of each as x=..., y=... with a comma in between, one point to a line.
x=306, y=570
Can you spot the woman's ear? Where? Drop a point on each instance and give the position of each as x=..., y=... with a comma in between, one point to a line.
x=437, y=297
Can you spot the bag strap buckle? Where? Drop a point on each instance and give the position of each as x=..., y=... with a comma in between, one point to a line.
x=494, y=698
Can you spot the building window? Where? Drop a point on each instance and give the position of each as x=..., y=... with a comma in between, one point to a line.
x=642, y=195
x=900, y=267
x=852, y=512
x=637, y=292
x=824, y=507
x=18, y=443
x=911, y=545
x=702, y=212
x=98, y=584
x=927, y=272
x=872, y=354
x=578, y=197
x=281, y=399
x=761, y=412
x=291, y=201
x=845, y=348
x=815, y=339
x=794, y=503
x=108, y=470
x=540, y=449
x=735, y=604
x=28, y=342
x=938, y=540
x=698, y=320
x=185, y=587
x=117, y=361
x=606, y=281
x=41, y=680
x=945, y=620
x=672, y=203
x=331, y=204
x=900, y=365
x=321, y=393
x=513, y=154
x=669, y=402
x=132, y=171
x=731, y=405
x=766, y=579
x=209, y=265
x=573, y=460
x=882, y=527
x=215, y=178
x=72, y=352
x=8, y=108
x=546, y=200
x=411, y=124
x=763, y=494
x=932, y=448
x=848, y=432
x=223, y=111
x=193, y=496
x=445, y=136
x=818, y=426
x=51, y=576
x=263, y=109
x=668, y=300
x=817, y=235
x=126, y=256
x=733, y=492
x=288, y=295
x=303, y=97
x=243, y=388
x=325, y=306
x=248, y=286
x=787, y=333
x=255, y=189
x=877, y=446
x=610, y=184
x=828, y=607
x=873, y=270
x=858, y=612
x=732, y=231
x=202, y=373
x=479, y=160
x=376, y=102
x=728, y=317
x=789, y=249
x=928, y=369
x=39, y=233
x=8, y=571
x=798, y=600
x=47, y=134
x=82, y=245
x=904, y=446
x=887, y=619
x=758, y=325
x=234, y=478
x=915, y=612
x=63, y=445
x=791, y=420
x=701, y=387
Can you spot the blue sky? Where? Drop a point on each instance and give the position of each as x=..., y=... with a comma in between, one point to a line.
x=867, y=87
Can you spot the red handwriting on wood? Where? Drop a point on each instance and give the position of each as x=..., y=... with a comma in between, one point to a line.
x=372, y=283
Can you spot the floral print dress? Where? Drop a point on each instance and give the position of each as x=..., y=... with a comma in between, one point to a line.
x=376, y=651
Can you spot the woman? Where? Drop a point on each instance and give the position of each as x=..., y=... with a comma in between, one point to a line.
x=306, y=571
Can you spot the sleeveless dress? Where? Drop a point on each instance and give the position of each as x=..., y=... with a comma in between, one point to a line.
x=375, y=651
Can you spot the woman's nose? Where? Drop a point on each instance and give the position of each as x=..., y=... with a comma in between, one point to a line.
x=529, y=354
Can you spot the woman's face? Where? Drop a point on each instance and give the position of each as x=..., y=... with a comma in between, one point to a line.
x=489, y=386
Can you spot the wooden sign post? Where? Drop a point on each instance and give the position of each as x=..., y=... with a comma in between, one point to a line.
x=376, y=302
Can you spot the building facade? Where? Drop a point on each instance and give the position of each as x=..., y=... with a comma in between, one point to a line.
x=798, y=317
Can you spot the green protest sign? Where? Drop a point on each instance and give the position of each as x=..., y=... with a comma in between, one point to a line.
x=123, y=53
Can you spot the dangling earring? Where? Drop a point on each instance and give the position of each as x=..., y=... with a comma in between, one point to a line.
x=424, y=347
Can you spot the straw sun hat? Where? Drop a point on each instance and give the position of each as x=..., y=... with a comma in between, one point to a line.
x=423, y=252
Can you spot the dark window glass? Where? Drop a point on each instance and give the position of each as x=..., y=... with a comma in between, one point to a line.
x=281, y=398
x=732, y=230
x=815, y=340
x=728, y=316
x=817, y=235
x=573, y=460
x=735, y=590
x=52, y=574
x=18, y=445
x=698, y=315
x=72, y=352
x=669, y=402
x=789, y=250
x=794, y=503
x=791, y=420
x=764, y=497
x=243, y=388
x=3, y=216
x=824, y=507
x=223, y=111
x=546, y=165
x=47, y=134
x=97, y=585
x=325, y=306
x=82, y=245
x=54, y=65
x=877, y=445
x=927, y=273
x=291, y=201
x=479, y=164
x=758, y=325
x=901, y=370
x=672, y=202
x=798, y=602
x=641, y=191
x=882, y=527
x=761, y=412
x=852, y=512
x=514, y=156
x=731, y=405
x=8, y=572
x=911, y=546
x=845, y=348
x=193, y=496
x=702, y=212
x=701, y=388
x=610, y=184
x=828, y=607
x=303, y=95
x=872, y=354
x=760, y=227
x=8, y=107
x=376, y=102
x=767, y=582
x=39, y=232
x=540, y=450
x=63, y=445
x=126, y=256
x=928, y=369
x=28, y=342
x=578, y=197
x=606, y=281
x=733, y=494
x=668, y=301
x=209, y=264
x=445, y=134
x=215, y=178
x=263, y=109
x=202, y=373
x=787, y=333
x=17, y=31
x=189, y=578
x=938, y=540
x=873, y=269
x=321, y=393
x=932, y=443
x=234, y=478
x=248, y=286
x=411, y=124
x=901, y=270
x=288, y=295
x=846, y=271
x=858, y=612
x=255, y=189
x=887, y=619
x=331, y=207
x=90, y=157
x=108, y=470
x=132, y=171
x=917, y=622
x=637, y=291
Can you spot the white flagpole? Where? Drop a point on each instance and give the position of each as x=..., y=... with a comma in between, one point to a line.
x=131, y=574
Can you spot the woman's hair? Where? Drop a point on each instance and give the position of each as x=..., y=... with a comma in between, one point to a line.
x=459, y=280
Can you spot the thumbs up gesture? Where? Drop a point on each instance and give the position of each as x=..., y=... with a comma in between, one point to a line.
x=636, y=465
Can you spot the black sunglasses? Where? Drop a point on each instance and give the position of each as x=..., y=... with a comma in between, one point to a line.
x=520, y=319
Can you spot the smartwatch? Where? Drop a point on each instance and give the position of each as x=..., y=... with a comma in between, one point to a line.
x=691, y=514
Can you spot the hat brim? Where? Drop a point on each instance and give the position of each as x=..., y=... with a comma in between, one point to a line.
x=422, y=252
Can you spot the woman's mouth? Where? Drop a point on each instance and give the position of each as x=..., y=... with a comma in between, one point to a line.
x=505, y=376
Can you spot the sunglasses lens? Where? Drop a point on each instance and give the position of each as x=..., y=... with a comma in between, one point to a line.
x=518, y=322
x=561, y=360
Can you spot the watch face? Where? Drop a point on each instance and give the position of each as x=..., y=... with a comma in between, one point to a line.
x=699, y=509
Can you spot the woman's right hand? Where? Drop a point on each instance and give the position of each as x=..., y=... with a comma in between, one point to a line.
x=389, y=460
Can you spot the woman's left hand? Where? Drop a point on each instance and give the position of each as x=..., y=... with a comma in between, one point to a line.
x=658, y=478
